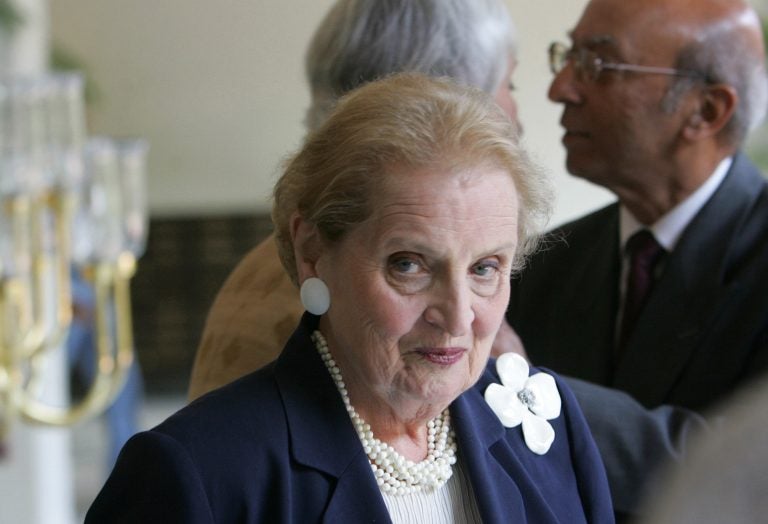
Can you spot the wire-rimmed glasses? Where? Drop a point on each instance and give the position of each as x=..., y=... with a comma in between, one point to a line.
x=588, y=65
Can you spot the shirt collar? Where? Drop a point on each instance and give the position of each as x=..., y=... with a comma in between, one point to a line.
x=668, y=229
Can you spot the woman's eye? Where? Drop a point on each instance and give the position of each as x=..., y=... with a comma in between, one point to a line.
x=484, y=269
x=511, y=86
x=405, y=265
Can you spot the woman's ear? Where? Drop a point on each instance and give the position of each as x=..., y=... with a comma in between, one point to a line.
x=715, y=108
x=307, y=246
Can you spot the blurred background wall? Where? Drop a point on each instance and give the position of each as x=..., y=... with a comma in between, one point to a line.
x=218, y=88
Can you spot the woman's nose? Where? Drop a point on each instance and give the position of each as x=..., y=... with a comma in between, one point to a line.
x=451, y=309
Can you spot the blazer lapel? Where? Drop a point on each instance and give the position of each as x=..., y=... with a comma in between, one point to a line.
x=321, y=434
x=691, y=292
x=357, y=497
x=477, y=429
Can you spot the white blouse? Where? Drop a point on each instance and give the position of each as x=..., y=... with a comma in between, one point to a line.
x=454, y=502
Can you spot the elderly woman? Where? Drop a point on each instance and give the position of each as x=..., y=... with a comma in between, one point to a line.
x=401, y=219
x=471, y=41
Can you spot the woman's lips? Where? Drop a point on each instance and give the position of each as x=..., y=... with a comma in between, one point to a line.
x=444, y=356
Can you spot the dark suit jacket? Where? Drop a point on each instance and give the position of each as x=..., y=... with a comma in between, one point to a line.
x=702, y=334
x=278, y=446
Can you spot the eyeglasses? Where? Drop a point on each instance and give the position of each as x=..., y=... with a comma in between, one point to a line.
x=589, y=65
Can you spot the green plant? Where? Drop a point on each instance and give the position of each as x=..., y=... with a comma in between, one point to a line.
x=10, y=18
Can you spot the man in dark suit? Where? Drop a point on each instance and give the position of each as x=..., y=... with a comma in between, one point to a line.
x=658, y=98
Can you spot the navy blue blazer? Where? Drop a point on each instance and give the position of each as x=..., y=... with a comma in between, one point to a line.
x=702, y=334
x=278, y=446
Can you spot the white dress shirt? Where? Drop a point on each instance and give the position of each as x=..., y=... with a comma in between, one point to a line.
x=669, y=228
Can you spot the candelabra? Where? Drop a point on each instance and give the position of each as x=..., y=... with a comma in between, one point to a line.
x=66, y=201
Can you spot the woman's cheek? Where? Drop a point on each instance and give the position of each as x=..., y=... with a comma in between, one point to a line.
x=395, y=312
x=490, y=316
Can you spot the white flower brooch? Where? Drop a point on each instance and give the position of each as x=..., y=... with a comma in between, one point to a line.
x=531, y=400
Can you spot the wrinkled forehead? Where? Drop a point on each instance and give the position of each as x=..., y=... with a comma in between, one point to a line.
x=415, y=186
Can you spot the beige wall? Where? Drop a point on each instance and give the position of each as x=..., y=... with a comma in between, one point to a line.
x=218, y=89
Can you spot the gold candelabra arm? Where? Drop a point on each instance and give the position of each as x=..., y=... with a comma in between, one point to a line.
x=28, y=326
x=7, y=402
x=51, y=219
x=62, y=202
x=10, y=374
x=114, y=344
x=126, y=268
x=49, y=288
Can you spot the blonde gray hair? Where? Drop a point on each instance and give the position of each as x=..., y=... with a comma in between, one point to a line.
x=405, y=122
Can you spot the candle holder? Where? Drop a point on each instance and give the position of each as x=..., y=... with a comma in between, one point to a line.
x=66, y=201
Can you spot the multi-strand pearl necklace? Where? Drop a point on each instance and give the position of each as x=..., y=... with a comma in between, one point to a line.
x=395, y=474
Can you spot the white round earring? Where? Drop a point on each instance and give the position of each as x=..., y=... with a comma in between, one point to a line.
x=315, y=296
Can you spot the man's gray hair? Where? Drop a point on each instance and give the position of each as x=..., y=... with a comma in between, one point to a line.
x=726, y=56
x=363, y=40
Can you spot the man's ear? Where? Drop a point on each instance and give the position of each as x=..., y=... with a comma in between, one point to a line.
x=307, y=246
x=713, y=110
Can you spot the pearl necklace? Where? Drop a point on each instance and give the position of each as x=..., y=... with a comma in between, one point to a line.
x=395, y=474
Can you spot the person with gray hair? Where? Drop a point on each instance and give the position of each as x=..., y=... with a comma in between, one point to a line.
x=656, y=305
x=401, y=218
x=359, y=40
x=470, y=41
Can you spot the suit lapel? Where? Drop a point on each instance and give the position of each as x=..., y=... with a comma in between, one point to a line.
x=321, y=434
x=587, y=300
x=691, y=292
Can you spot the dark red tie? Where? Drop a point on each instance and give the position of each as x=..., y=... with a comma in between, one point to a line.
x=644, y=253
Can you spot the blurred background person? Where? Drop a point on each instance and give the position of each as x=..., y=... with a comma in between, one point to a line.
x=472, y=41
x=724, y=478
